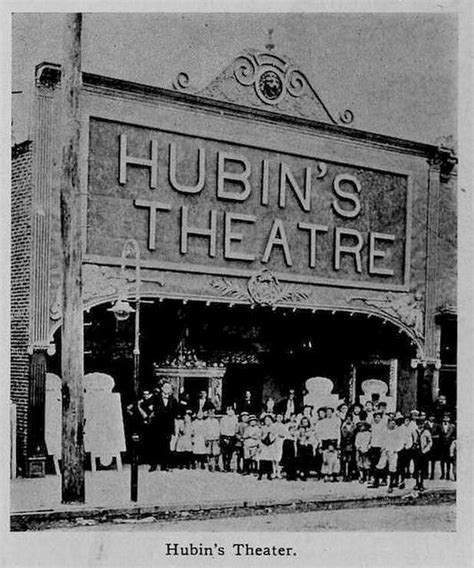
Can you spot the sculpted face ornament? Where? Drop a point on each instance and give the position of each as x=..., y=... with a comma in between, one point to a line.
x=264, y=288
x=270, y=86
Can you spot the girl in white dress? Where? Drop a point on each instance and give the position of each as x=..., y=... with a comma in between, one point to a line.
x=267, y=448
x=199, y=431
x=281, y=432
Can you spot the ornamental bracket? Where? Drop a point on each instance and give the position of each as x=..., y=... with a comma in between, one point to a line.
x=427, y=362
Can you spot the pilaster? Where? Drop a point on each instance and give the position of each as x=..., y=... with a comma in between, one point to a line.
x=47, y=80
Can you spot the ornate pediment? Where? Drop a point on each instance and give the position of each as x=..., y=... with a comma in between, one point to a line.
x=265, y=80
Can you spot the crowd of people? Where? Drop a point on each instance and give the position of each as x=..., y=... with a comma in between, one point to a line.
x=288, y=440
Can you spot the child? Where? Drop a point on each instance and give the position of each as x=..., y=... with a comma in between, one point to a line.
x=304, y=447
x=362, y=445
x=377, y=433
x=392, y=443
x=347, y=448
x=423, y=452
x=239, y=442
x=252, y=436
x=267, y=448
x=330, y=467
x=184, y=442
x=228, y=436
x=199, y=441
x=355, y=411
x=281, y=432
x=288, y=459
x=212, y=439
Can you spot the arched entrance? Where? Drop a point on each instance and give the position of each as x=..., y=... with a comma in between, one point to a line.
x=262, y=349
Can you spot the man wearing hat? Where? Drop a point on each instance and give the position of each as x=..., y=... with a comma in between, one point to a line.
x=434, y=454
x=447, y=436
x=289, y=405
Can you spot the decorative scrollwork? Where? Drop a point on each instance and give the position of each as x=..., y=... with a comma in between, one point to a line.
x=346, y=117
x=262, y=288
x=407, y=308
x=245, y=70
x=181, y=83
x=296, y=82
x=228, y=288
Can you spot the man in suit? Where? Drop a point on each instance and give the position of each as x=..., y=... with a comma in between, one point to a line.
x=162, y=426
x=434, y=453
x=447, y=436
x=203, y=403
x=289, y=405
x=248, y=404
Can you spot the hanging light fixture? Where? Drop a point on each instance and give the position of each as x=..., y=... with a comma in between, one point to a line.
x=121, y=310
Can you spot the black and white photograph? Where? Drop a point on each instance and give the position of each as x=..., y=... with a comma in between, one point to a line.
x=234, y=269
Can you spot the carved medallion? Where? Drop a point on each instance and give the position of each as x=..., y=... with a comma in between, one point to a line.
x=269, y=86
x=262, y=288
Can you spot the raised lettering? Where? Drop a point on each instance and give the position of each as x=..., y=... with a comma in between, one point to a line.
x=209, y=233
x=312, y=228
x=201, y=178
x=377, y=253
x=153, y=207
x=265, y=179
x=277, y=238
x=125, y=160
x=304, y=199
x=239, y=177
x=231, y=236
x=353, y=250
x=346, y=196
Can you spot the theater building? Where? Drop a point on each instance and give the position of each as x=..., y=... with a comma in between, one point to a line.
x=273, y=243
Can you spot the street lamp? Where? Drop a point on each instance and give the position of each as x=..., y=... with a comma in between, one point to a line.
x=122, y=310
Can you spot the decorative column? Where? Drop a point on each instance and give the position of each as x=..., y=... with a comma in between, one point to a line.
x=47, y=80
x=430, y=371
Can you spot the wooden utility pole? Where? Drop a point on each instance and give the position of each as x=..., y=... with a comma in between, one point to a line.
x=72, y=336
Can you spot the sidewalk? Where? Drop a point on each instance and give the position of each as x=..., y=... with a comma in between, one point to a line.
x=108, y=493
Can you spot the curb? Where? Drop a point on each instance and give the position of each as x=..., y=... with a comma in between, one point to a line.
x=36, y=520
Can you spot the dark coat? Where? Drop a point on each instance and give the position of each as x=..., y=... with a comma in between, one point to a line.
x=163, y=417
x=282, y=406
x=446, y=438
x=208, y=405
x=252, y=407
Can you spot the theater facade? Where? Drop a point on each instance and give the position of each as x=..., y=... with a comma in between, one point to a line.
x=270, y=242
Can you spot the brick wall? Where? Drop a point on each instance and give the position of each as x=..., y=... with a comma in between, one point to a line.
x=21, y=193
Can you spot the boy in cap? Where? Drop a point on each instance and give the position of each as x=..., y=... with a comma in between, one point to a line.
x=362, y=446
x=434, y=454
x=391, y=445
x=212, y=439
x=447, y=436
x=252, y=436
x=422, y=453
x=239, y=440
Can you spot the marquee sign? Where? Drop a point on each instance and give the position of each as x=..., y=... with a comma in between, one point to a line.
x=205, y=205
